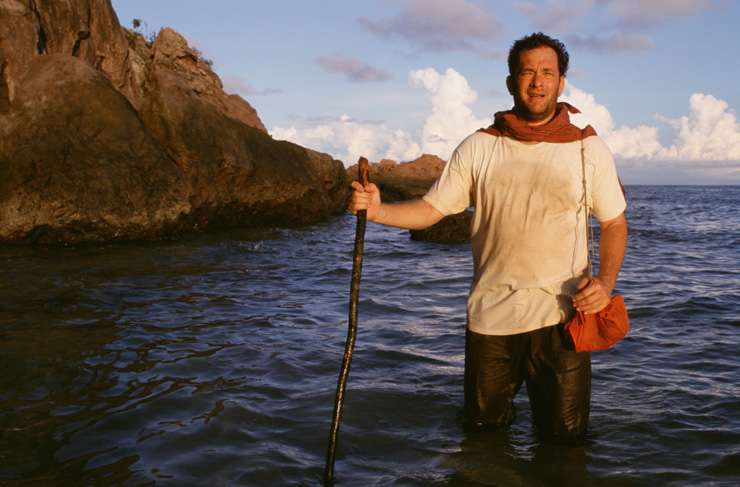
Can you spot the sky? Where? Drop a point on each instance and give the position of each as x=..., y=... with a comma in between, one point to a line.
x=658, y=79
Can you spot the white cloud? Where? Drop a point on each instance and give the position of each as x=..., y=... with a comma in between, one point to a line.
x=592, y=113
x=438, y=24
x=624, y=141
x=348, y=139
x=634, y=142
x=451, y=119
x=709, y=133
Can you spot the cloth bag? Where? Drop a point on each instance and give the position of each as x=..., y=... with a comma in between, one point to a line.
x=599, y=331
x=596, y=331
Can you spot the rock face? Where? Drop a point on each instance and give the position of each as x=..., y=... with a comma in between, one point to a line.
x=170, y=52
x=408, y=180
x=87, y=29
x=104, y=136
x=404, y=181
x=75, y=174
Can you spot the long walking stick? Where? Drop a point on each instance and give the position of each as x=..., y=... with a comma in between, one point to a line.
x=354, y=295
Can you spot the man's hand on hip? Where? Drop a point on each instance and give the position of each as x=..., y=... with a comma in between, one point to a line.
x=593, y=295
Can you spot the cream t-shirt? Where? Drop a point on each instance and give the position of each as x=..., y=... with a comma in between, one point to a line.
x=528, y=231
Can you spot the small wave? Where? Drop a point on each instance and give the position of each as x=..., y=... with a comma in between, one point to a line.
x=726, y=466
x=391, y=356
x=378, y=306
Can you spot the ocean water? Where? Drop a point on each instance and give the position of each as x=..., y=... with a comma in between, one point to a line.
x=213, y=361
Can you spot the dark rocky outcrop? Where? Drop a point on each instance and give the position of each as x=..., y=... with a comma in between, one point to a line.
x=404, y=181
x=452, y=229
x=77, y=163
x=408, y=180
x=105, y=136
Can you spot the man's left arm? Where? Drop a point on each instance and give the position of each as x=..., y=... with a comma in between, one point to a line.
x=612, y=246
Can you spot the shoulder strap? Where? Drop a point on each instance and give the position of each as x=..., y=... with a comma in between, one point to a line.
x=587, y=215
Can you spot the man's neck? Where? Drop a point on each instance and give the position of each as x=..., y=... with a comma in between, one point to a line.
x=533, y=122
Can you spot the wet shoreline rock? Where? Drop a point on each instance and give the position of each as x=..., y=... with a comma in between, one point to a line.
x=452, y=229
x=405, y=180
x=105, y=136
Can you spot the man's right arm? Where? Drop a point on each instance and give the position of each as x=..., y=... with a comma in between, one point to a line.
x=414, y=214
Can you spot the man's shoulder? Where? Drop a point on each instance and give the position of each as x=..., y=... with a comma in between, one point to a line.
x=481, y=137
x=596, y=143
x=475, y=143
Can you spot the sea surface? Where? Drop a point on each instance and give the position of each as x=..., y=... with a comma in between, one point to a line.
x=214, y=361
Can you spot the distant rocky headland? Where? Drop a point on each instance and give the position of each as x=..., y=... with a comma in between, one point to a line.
x=405, y=180
x=108, y=136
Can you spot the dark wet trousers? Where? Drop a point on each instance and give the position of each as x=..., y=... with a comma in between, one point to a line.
x=558, y=382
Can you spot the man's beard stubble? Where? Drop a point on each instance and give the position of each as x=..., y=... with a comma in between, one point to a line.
x=524, y=113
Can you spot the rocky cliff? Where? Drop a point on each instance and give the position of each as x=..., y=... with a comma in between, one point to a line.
x=106, y=136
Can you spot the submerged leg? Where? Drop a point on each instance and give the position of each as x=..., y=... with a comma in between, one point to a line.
x=559, y=386
x=494, y=372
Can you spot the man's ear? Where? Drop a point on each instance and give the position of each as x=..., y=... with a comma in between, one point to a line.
x=561, y=85
x=510, y=85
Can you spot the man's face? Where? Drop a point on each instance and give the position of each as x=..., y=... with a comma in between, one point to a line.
x=536, y=85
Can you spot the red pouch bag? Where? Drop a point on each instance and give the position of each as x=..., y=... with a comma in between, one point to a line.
x=599, y=331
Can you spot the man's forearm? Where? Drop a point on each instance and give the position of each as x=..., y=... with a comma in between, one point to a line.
x=612, y=247
x=415, y=214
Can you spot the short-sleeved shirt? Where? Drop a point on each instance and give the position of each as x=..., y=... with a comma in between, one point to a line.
x=528, y=232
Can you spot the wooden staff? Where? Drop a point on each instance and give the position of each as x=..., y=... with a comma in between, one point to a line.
x=354, y=296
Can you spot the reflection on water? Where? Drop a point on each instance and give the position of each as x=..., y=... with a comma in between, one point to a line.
x=215, y=360
x=496, y=459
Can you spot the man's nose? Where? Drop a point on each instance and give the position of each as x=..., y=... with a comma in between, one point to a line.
x=537, y=79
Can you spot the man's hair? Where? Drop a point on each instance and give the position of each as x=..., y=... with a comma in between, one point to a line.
x=532, y=41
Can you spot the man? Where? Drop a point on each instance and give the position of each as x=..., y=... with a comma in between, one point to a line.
x=524, y=176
